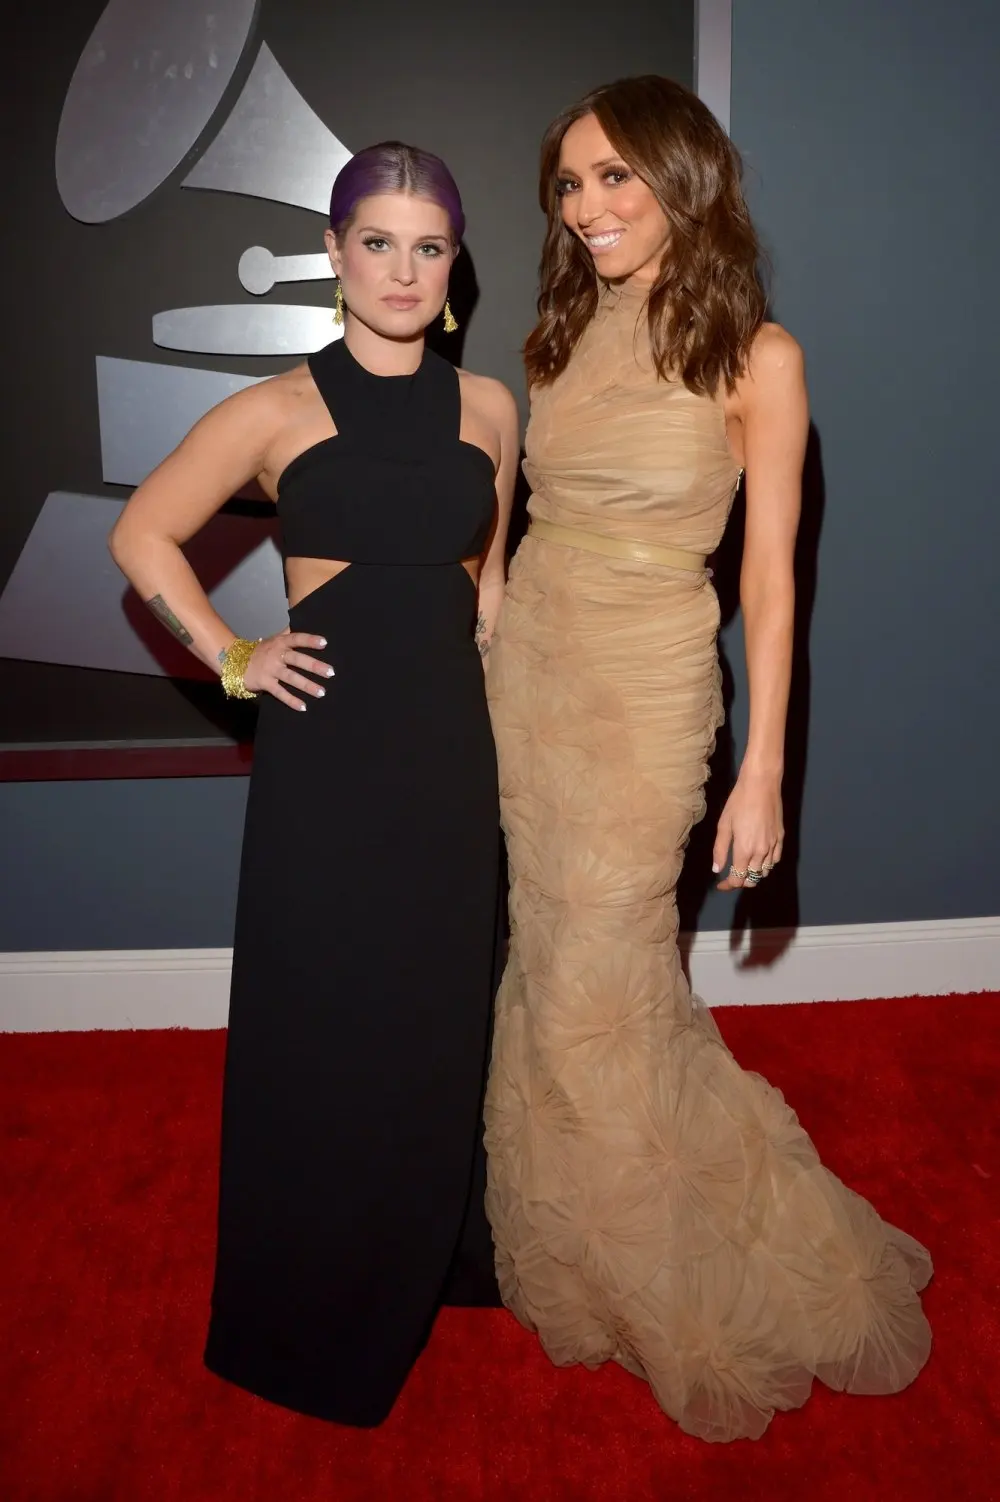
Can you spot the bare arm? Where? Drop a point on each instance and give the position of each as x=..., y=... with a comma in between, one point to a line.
x=492, y=575
x=773, y=407
x=775, y=427
x=222, y=453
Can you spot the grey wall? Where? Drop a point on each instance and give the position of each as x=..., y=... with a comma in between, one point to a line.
x=869, y=133
x=141, y=864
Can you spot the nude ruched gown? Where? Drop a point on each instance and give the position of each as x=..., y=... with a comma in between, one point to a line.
x=651, y=1202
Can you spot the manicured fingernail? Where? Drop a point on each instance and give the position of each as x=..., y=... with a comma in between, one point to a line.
x=302, y=707
x=716, y=869
x=329, y=672
x=322, y=641
x=320, y=692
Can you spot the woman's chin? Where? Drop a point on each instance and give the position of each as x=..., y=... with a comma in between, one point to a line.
x=615, y=267
x=403, y=328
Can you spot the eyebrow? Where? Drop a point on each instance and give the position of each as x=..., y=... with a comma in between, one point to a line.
x=608, y=161
x=373, y=229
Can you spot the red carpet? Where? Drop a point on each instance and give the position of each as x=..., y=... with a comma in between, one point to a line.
x=107, y=1165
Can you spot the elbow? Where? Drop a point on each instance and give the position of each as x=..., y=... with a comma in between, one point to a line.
x=124, y=545
x=120, y=544
x=115, y=543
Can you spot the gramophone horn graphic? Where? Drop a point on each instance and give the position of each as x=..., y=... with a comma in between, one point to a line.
x=143, y=107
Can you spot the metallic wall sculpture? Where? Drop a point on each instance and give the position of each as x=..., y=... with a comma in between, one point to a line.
x=259, y=270
x=146, y=409
x=270, y=329
x=272, y=145
x=147, y=84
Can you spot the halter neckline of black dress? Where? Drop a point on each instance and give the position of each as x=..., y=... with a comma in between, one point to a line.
x=376, y=375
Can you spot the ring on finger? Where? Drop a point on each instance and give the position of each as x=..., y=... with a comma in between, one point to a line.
x=739, y=875
x=753, y=877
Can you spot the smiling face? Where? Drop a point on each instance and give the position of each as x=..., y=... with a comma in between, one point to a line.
x=394, y=260
x=608, y=206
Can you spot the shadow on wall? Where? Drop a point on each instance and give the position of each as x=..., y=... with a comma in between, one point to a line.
x=775, y=903
x=463, y=295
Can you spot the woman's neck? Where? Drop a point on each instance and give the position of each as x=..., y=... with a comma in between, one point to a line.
x=382, y=356
x=630, y=290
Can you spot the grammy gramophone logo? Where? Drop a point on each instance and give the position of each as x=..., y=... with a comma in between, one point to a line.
x=150, y=99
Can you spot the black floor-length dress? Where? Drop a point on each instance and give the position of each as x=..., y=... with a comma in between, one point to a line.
x=366, y=922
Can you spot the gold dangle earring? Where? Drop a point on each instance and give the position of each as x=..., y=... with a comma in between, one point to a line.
x=338, y=304
x=450, y=321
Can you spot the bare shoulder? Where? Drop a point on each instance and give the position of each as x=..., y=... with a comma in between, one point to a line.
x=256, y=403
x=774, y=381
x=489, y=396
x=775, y=357
x=271, y=403
x=290, y=384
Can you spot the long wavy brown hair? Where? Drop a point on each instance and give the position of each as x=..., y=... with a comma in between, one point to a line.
x=708, y=302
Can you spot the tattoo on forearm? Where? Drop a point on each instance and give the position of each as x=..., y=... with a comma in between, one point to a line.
x=482, y=640
x=166, y=617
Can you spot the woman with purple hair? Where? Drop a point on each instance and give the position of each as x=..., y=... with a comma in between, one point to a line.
x=365, y=931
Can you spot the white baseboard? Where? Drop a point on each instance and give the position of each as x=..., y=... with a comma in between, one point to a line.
x=76, y=990
x=80, y=990
x=846, y=962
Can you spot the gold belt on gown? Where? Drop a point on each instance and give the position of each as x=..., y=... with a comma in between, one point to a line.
x=614, y=547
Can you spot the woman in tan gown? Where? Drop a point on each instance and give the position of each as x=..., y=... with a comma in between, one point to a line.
x=651, y=1202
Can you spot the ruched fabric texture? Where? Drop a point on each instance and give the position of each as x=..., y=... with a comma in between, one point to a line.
x=651, y=1202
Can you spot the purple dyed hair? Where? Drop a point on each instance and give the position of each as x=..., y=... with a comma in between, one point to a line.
x=392, y=167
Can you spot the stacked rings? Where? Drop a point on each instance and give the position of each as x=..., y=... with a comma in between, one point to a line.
x=751, y=876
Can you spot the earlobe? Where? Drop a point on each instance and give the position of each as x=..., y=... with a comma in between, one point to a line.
x=336, y=260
